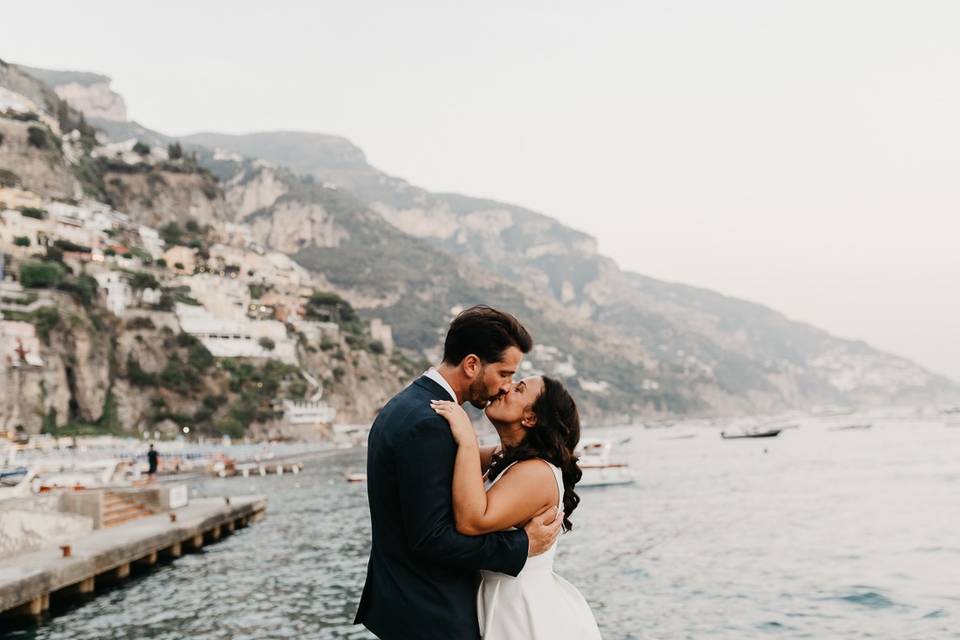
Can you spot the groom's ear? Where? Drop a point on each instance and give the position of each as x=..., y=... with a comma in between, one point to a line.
x=471, y=365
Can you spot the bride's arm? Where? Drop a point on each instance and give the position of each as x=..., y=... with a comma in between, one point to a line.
x=527, y=490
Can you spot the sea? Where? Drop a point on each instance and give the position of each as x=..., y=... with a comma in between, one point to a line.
x=817, y=533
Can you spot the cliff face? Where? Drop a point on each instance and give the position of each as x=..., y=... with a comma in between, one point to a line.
x=31, y=156
x=88, y=92
x=74, y=379
x=154, y=196
x=143, y=375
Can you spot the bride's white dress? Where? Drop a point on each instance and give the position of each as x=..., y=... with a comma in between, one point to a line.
x=537, y=604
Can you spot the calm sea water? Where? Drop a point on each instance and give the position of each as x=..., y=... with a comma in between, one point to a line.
x=815, y=534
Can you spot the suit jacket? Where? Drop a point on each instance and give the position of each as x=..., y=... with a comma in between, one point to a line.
x=422, y=575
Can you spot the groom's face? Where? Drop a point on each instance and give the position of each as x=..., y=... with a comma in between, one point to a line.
x=495, y=378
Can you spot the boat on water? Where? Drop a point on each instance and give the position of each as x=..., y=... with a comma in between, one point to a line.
x=767, y=433
x=599, y=467
x=852, y=427
x=355, y=476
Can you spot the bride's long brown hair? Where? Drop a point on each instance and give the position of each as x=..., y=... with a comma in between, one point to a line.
x=553, y=438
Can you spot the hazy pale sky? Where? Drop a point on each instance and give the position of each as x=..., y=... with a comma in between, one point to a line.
x=805, y=155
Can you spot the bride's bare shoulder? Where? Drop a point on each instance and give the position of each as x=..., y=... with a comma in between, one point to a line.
x=533, y=468
x=534, y=475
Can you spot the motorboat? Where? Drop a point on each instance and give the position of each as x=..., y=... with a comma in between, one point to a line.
x=355, y=476
x=18, y=482
x=680, y=436
x=767, y=433
x=599, y=467
x=852, y=427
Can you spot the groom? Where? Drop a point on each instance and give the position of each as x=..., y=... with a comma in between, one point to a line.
x=422, y=576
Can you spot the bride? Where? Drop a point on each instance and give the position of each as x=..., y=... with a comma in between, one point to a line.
x=497, y=488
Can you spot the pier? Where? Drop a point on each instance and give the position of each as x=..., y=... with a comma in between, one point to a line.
x=29, y=581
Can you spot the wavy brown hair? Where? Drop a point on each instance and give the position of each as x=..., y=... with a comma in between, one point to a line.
x=553, y=438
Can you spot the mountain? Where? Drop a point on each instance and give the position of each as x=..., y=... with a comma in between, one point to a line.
x=737, y=348
x=628, y=344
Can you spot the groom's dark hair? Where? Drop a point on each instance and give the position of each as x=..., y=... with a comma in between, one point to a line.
x=486, y=333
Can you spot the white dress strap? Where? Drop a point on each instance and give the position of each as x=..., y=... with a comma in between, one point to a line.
x=558, y=475
x=486, y=476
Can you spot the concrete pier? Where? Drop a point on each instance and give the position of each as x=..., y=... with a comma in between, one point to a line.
x=28, y=581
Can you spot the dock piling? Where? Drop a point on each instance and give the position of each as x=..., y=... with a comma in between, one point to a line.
x=121, y=572
x=195, y=543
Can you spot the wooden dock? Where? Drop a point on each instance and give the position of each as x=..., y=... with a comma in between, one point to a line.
x=30, y=580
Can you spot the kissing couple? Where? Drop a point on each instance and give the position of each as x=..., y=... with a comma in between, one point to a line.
x=464, y=536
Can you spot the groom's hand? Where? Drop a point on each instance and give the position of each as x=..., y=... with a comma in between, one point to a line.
x=542, y=531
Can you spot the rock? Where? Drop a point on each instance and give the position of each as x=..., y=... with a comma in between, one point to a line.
x=294, y=225
x=39, y=170
x=96, y=99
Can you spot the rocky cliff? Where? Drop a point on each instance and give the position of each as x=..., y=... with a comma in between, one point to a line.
x=628, y=344
x=88, y=92
x=75, y=376
x=89, y=370
x=701, y=350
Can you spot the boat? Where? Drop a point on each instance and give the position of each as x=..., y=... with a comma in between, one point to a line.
x=769, y=433
x=658, y=424
x=599, y=470
x=852, y=427
x=355, y=476
x=18, y=482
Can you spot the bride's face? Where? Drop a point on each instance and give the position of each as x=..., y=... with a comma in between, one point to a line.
x=515, y=406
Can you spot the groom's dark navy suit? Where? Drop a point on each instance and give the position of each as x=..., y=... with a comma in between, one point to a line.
x=422, y=575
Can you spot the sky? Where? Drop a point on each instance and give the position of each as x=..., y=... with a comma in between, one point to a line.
x=803, y=155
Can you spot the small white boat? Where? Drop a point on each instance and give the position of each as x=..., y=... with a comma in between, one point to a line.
x=355, y=476
x=852, y=427
x=19, y=482
x=680, y=436
x=599, y=468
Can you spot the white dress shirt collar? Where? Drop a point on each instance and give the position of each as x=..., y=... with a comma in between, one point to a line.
x=434, y=375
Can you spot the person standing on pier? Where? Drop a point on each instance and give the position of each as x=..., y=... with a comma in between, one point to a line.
x=152, y=462
x=422, y=575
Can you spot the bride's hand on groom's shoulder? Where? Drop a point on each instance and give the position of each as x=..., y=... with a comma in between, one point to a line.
x=460, y=424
